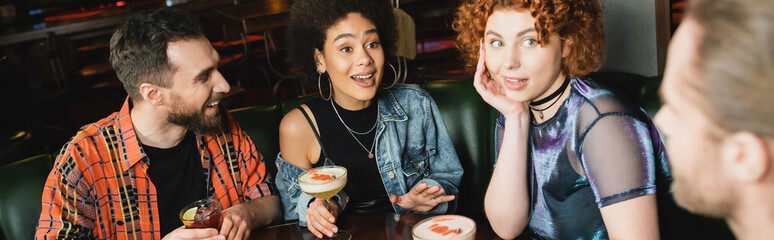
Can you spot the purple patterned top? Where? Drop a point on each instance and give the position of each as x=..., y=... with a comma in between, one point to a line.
x=599, y=149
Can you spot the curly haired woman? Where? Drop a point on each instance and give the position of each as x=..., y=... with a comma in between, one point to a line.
x=389, y=136
x=575, y=161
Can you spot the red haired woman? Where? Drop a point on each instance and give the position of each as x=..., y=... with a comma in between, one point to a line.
x=575, y=161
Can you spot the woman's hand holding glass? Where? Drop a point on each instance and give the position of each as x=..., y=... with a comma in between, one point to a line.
x=421, y=198
x=492, y=93
x=320, y=220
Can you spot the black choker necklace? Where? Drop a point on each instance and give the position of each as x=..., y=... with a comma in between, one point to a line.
x=552, y=96
x=556, y=95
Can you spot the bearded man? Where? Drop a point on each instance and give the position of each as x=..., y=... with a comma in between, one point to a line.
x=129, y=175
x=717, y=113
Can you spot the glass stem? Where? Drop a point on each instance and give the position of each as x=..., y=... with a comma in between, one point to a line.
x=325, y=202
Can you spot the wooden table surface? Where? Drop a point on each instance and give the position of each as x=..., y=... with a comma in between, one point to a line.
x=261, y=15
x=105, y=19
x=384, y=226
x=255, y=16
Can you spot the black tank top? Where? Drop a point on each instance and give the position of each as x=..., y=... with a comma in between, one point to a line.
x=364, y=183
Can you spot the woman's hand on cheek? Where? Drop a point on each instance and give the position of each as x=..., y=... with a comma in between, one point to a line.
x=491, y=92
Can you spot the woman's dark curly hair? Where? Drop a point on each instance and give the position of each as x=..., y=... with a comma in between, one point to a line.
x=309, y=20
x=578, y=23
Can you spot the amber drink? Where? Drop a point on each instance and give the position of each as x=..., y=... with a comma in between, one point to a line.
x=204, y=213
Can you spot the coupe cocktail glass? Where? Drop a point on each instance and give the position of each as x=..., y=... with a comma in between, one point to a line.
x=324, y=182
x=445, y=227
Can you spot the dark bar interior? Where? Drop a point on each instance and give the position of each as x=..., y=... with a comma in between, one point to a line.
x=55, y=77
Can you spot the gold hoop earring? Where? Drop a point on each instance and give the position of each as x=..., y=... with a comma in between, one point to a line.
x=319, y=87
x=396, y=76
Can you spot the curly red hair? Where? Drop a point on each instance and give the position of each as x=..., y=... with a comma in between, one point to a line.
x=578, y=23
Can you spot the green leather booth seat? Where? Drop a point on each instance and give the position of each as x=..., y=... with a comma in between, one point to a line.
x=469, y=122
x=291, y=104
x=262, y=125
x=21, y=188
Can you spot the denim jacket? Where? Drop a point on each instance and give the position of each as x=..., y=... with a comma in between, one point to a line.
x=413, y=147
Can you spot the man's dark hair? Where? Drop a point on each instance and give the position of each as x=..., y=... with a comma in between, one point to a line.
x=309, y=19
x=138, y=48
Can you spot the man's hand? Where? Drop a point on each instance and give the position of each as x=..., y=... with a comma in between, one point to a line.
x=239, y=219
x=421, y=198
x=194, y=233
x=320, y=220
x=236, y=222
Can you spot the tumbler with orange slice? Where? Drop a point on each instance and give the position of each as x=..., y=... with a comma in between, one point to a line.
x=204, y=213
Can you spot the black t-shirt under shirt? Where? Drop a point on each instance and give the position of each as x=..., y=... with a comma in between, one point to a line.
x=178, y=175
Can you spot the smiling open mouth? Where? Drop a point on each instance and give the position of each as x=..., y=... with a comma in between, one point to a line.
x=363, y=77
x=516, y=81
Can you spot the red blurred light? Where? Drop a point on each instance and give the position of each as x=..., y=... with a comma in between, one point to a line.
x=679, y=5
x=120, y=4
x=71, y=16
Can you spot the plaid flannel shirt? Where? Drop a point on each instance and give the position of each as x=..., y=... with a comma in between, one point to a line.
x=99, y=187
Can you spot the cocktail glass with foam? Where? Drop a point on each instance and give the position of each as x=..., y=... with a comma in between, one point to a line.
x=324, y=182
x=445, y=227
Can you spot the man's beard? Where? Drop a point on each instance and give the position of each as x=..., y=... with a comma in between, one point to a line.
x=195, y=120
x=713, y=200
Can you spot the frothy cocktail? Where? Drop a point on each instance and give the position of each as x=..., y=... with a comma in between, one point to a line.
x=445, y=227
x=323, y=182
